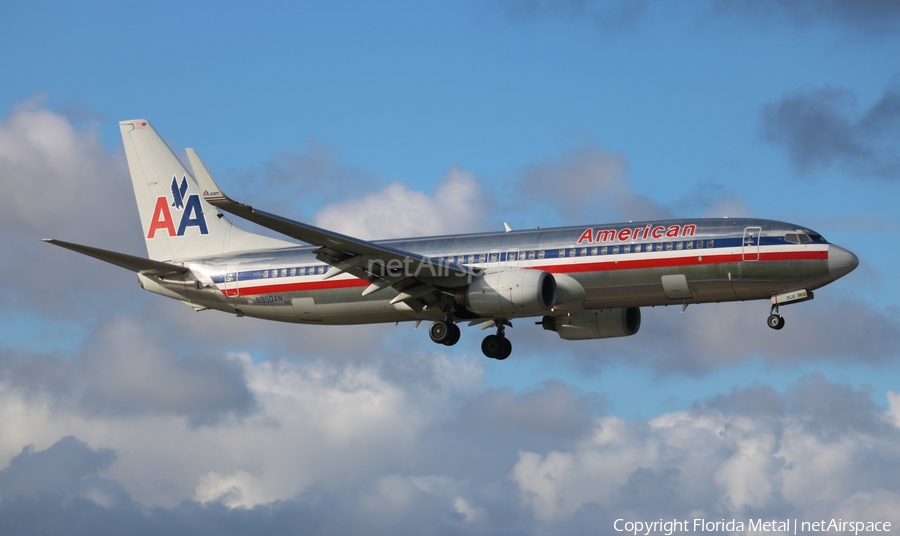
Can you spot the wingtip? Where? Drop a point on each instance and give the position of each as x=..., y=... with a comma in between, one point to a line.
x=211, y=192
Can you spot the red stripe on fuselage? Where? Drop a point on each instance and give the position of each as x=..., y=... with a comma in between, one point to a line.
x=302, y=286
x=669, y=262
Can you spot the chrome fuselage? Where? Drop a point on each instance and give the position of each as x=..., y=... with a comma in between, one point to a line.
x=617, y=266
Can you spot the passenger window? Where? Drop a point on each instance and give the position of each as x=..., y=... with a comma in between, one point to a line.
x=679, y=245
x=615, y=249
x=659, y=246
x=530, y=255
x=626, y=249
x=481, y=258
x=265, y=273
x=711, y=243
x=495, y=257
x=283, y=272
x=668, y=246
x=541, y=254
x=637, y=248
x=699, y=244
x=593, y=251
x=584, y=252
x=603, y=250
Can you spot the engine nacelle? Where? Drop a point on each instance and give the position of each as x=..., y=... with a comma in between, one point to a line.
x=510, y=292
x=601, y=324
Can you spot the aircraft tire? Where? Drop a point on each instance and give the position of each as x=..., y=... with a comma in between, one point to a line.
x=454, y=335
x=496, y=347
x=440, y=331
x=775, y=321
x=492, y=346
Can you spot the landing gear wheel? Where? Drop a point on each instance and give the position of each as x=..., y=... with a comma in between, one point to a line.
x=507, y=349
x=492, y=346
x=454, y=335
x=775, y=321
x=496, y=347
x=440, y=332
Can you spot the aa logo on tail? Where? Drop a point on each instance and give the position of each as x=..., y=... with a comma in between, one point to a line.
x=178, y=193
x=191, y=212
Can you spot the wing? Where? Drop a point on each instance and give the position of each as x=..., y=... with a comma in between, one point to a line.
x=414, y=276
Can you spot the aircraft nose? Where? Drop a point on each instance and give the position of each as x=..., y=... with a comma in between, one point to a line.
x=840, y=261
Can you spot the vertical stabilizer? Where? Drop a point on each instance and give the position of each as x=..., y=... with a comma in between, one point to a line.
x=177, y=222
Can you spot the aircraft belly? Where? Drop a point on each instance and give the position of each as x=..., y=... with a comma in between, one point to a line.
x=698, y=284
x=348, y=306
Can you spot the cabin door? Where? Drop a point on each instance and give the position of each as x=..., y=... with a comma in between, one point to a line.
x=750, y=246
x=231, y=281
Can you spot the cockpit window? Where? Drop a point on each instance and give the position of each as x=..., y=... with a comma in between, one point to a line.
x=801, y=237
x=816, y=237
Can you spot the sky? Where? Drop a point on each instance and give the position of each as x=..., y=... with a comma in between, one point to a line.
x=121, y=411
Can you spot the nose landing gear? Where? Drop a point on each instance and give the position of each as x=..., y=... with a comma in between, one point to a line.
x=775, y=320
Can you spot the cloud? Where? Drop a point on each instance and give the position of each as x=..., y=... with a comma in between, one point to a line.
x=865, y=17
x=397, y=211
x=706, y=462
x=304, y=181
x=754, y=453
x=126, y=369
x=59, y=183
x=822, y=129
x=69, y=468
x=586, y=183
x=817, y=450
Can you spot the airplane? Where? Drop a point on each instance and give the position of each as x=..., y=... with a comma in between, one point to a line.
x=586, y=282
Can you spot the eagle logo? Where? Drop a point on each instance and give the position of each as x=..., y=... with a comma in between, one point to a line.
x=178, y=193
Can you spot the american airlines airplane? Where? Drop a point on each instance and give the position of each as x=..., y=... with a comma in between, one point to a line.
x=580, y=282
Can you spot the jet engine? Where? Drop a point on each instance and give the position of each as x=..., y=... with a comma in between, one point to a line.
x=510, y=292
x=600, y=324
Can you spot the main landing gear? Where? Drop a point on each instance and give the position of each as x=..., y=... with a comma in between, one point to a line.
x=444, y=332
x=497, y=346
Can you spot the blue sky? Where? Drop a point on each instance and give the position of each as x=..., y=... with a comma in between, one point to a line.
x=533, y=112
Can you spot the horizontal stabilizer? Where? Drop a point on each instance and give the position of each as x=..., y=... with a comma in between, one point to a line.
x=129, y=262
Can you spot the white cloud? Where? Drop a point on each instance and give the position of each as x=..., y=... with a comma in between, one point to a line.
x=237, y=489
x=469, y=512
x=724, y=464
x=398, y=211
x=894, y=408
